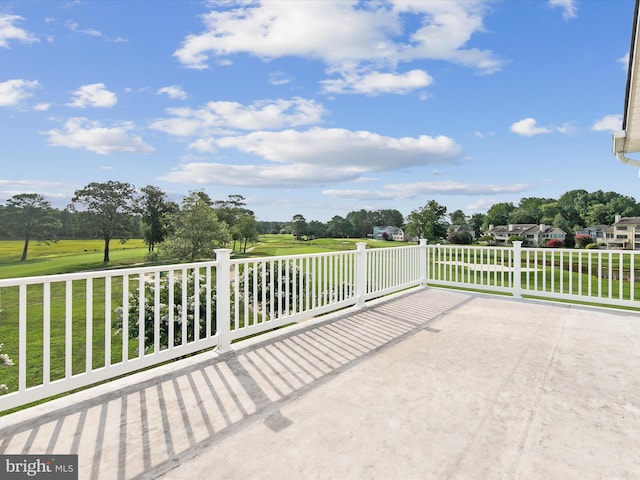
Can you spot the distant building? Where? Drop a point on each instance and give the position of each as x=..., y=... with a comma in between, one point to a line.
x=624, y=233
x=454, y=229
x=533, y=234
x=597, y=232
x=390, y=233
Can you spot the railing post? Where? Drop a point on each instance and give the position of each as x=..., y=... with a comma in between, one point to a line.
x=423, y=262
x=361, y=273
x=517, y=269
x=223, y=299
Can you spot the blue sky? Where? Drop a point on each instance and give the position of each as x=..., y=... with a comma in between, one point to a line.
x=315, y=107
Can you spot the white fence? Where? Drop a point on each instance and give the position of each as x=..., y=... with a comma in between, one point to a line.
x=605, y=277
x=69, y=331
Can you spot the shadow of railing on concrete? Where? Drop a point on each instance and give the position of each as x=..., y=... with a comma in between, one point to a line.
x=148, y=428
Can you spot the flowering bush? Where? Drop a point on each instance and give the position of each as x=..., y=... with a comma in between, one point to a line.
x=554, y=243
x=582, y=240
x=286, y=281
x=5, y=361
x=180, y=311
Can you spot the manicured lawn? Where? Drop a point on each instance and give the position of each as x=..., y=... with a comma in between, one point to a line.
x=66, y=256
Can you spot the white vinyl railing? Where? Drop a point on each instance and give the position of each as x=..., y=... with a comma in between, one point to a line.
x=607, y=277
x=69, y=331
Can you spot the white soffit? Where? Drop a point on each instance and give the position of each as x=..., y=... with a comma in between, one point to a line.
x=631, y=120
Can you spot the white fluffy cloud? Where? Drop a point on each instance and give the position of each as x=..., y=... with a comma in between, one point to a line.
x=93, y=95
x=608, y=123
x=528, y=127
x=173, y=91
x=12, y=92
x=369, y=36
x=225, y=117
x=338, y=147
x=9, y=31
x=81, y=133
x=569, y=7
x=317, y=156
x=375, y=83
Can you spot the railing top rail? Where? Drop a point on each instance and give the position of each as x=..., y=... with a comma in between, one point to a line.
x=289, y=257
x=115, y=272
x=315, y=255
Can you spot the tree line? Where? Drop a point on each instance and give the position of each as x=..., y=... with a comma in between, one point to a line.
x=191, y=229
x=572, y=211
x=117, y=210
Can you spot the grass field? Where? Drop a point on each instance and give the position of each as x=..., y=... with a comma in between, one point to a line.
x=68, y=256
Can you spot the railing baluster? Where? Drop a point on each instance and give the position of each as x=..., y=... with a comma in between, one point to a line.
x=107, y=321
x=89, y=325
x=68, y=329
x=46, y=333
x=125, y=318
x=22, y=338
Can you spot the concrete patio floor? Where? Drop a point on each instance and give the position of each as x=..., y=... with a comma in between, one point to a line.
x=427, y=385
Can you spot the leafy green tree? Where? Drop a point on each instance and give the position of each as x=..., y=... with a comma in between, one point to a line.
x=195, y=230
x=230, y=210
x=245, y=230
x=316, y=229
x=299, y=226
x=386, y=218
x=29, y=216
x=108, y=209
x=460, y=238
x=339, y=227
x=155, y=210
x=66, y=220
x=572, y=204
x=362, y=222
x=428, y=222
x=529, y=210
x=498, y=214
x=458, y=218
x=475, y=222
x=549, y=212
x=240, y=220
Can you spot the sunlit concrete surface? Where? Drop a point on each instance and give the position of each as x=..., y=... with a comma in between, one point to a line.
x=427, y=385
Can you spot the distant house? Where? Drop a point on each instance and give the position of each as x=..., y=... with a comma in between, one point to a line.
x=597, y=232
x=455, y=229
x=390, y=233
x=624, y=233
x=533, y=234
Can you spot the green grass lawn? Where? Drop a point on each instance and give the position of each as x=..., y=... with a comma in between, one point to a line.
x=66, y=256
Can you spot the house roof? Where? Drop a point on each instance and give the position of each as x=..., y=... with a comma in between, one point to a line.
x=514, y=229
x=521, y=228
x=627, y=140
x=628, y=221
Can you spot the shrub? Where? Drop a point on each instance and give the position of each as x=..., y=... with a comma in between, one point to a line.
x=516, y=238
x=488, y=239
x=180, y=311
x=592, y=246
x=554, y=243
x=582, y=240
x=5, y=361
x=460, y=238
